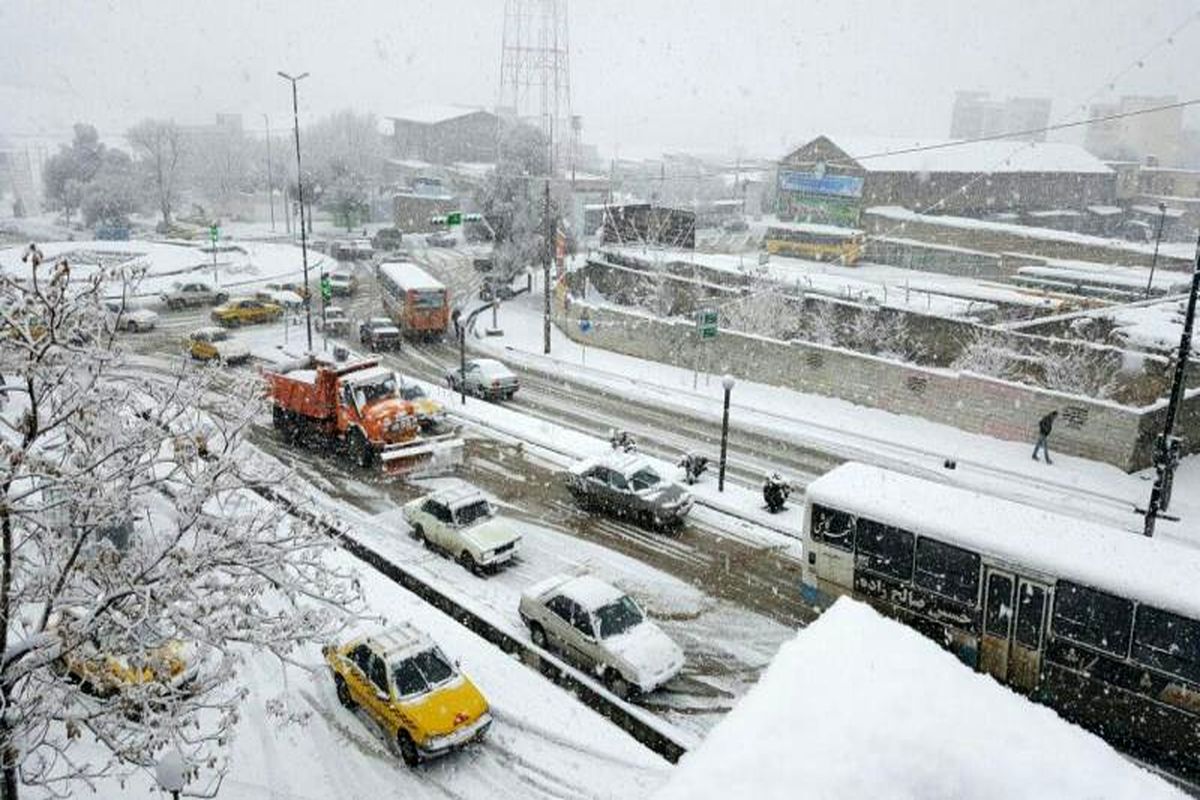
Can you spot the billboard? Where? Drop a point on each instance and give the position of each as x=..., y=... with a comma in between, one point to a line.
x=819, y=183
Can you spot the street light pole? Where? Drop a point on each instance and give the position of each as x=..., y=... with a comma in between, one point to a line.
x=546, y=274
x=727, y=383
x=1162, y=217
x=300, y=191
x=1166, y=447
x=461, y=324
x=270, y=179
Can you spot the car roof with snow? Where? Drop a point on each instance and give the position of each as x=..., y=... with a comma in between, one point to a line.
x=590, y=592
x=617, y=460
x=368, y=375
x=456, y=497
x=398, y=641
x=382, y=322
x=491, y=365
x=211, y=331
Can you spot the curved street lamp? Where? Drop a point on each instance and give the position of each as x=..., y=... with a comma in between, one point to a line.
x=300, y=191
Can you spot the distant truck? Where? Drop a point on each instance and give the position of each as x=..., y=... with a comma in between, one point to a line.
x=358, y=407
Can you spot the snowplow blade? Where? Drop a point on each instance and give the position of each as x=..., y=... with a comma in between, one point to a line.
x=423, y=456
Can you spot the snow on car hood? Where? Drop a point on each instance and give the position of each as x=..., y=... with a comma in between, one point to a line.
x=141, y=315
x=232, y=349
x=665, y=494
x=645, y=649
x=491, y=533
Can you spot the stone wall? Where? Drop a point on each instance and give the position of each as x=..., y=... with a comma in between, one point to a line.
x=1098, y=430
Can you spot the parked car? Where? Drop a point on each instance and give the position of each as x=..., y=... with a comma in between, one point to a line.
x=246, y=311
x=284, y=298
x=431, y=415
x=342, y=283
x=486, y=378
x=196, y=293
x=132, y=320
x=351, y=249
x=603, y=630
x=296, y=287
x=401, y=680
x=334, y=320
x=208, y=344
x=441, y=240
x=626, y=484
x=461, y=522
x=379, y=333
x=99, y=666
x=387, y=239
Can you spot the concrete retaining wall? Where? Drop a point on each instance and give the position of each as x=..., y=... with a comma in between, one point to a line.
x=1097, y=430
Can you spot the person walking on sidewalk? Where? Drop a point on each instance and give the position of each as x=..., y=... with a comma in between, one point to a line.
x=1044, y=427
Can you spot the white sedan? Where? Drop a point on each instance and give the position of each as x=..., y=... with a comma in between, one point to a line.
x=601, y=629
x=460, y=521
x=133, y=320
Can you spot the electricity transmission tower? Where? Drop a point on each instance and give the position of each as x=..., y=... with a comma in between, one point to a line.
x=535, y=73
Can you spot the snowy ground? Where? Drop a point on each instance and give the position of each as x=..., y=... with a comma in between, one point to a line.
x=242, y=267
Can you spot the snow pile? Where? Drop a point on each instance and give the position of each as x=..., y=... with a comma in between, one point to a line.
x=859, y=706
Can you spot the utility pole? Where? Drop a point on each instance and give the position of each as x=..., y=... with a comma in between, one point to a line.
x=546, y=273
x=270, y=180
x=1167, y=445
x=1162, y=217
x=300, y=191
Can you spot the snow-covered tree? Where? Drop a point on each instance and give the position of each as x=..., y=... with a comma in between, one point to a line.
x=986, y=353
x=113, y=193
x=512, y=198
x=1083, y=370
x=133, y=546
x=159, y=147
x=68, y=171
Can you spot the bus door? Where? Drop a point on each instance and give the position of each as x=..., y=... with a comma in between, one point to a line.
x=1014, y=620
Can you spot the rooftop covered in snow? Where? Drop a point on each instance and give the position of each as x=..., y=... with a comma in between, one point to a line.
x=859, y=706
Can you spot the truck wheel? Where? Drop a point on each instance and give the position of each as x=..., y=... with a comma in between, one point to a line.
x=278, y=418
x=408, y=750
x=360, y=449
x=343, y=693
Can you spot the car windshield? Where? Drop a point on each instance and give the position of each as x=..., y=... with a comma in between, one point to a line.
x=618, y=617
x=472, y=512
x=376, y=390
x=644, y=478
x=411, y=393
x=421, y=672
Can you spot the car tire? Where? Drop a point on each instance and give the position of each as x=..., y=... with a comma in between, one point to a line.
x=278, y=418
x=419, y=535
x=221, y=297
x=537, y=635
x=407, y=748
x=131, y=327
x=343, y=693
x=615, y=682
x=469, y=563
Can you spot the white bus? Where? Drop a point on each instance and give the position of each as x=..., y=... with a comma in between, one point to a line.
x=417, y=302
x=1099, y=623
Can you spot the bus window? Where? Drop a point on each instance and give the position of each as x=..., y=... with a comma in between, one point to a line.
x=1093, y=618
x=1030, y=610
x=1168, y=642
x=428, y=299
x=947, y=570
x=834, y=528
x=885, y=550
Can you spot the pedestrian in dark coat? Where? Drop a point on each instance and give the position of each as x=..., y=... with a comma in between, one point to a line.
x=1045, y=425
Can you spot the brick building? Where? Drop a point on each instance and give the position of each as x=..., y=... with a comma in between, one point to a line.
x=831, y=180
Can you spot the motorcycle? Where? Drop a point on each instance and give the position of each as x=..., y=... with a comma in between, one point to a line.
x=775, y=492
x=694, y=466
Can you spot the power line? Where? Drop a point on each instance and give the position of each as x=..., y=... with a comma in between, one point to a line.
x=1023, y=133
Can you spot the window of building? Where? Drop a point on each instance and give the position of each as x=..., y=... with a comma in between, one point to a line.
x=1093, y=618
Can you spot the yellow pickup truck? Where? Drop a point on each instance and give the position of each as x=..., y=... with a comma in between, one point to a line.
x=410, y=690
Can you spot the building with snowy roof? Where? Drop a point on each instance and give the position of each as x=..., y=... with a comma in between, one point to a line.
x=443, y=134
x=831, y=179
x=861, y=706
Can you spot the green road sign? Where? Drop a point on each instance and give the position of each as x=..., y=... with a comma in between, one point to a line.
x=706, y=323
x=213, y=233
x=454, y=218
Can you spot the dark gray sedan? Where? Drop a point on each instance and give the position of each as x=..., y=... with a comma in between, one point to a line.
x=627, y=485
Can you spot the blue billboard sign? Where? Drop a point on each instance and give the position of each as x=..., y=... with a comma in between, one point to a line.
x=821, y=184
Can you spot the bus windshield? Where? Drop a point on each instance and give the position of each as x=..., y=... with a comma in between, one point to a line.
x=428, y=298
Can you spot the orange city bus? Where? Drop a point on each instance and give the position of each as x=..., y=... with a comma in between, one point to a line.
x=417, y=302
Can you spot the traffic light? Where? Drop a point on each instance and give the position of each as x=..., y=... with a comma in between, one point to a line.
x=454, y=218
x=326, y=288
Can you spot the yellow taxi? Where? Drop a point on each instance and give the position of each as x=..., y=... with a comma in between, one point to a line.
x=215, y=344
x=103, y=672
x=406, y=685
x=431, y=415
x=246, y=311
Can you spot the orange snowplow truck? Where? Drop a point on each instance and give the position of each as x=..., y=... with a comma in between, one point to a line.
x=357, y=406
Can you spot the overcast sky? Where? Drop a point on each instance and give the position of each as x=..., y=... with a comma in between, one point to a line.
x=646, y=75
